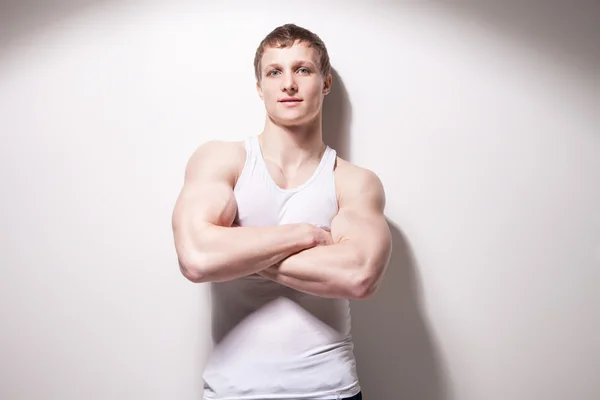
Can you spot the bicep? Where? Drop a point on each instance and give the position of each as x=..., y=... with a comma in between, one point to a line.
x=207, y=195
x=205, y=202
x=364, y=228
x=361, y=221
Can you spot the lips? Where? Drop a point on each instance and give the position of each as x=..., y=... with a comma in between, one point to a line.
x=290, y=100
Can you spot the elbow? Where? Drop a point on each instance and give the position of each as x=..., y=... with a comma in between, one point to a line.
x=191, y=273
x=193, y=268
x=365, y=282
x=358, y=285
x=363, y=287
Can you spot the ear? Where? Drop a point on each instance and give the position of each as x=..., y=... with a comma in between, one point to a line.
x=327, y=85
x=259, y=90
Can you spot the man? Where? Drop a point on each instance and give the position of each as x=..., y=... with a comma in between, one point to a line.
x=286, y=232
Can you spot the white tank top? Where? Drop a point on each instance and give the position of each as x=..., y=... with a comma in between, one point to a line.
x=271, y=341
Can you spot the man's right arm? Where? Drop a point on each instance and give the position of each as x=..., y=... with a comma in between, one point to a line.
x=208, y=248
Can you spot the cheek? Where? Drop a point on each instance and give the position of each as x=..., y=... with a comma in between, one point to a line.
x=316, y=89
x=316, y=92
x=269, y=93
x=265, y=89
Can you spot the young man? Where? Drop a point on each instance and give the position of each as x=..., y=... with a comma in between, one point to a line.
x=286, y=232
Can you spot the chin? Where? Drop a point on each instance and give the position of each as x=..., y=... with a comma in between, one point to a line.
x=295, y=119
x=291, y=123
x=291, y=120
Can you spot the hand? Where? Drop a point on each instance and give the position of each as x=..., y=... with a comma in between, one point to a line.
x=321, y=237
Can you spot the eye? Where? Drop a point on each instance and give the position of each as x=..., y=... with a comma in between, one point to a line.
x=271, y=73
x=304, y=70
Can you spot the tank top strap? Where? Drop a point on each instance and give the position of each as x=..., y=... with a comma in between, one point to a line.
x=249, y=164
x=331, y=158
x=250, y=150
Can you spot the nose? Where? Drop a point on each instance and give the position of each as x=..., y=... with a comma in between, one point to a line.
x=288, y=83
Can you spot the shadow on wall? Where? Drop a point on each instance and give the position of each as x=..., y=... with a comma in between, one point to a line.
x=20, y=18
x=567, y=32
x=396, y=357
x=337, y=117
x=395, y=353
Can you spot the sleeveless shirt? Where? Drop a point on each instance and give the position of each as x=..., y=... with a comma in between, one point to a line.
x=271, y=341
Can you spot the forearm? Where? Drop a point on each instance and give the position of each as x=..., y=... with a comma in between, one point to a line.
x=353, y=267
x=225, y=253
x=335, y=271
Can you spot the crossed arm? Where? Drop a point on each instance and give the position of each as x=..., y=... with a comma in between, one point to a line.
x=352, y=267
x=208, y=249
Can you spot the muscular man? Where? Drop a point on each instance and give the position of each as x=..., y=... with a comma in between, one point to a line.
x=286, y=232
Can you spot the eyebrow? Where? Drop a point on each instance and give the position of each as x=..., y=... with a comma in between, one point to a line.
x=294, y=63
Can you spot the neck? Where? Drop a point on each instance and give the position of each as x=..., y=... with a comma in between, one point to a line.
x=291, y=146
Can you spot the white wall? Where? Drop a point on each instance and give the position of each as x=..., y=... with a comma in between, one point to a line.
x=481, y=120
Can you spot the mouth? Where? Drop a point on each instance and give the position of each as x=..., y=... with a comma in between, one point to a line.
x=290, y=103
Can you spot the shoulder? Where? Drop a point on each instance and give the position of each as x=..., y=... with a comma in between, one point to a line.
x=225, y=151
x=218, y=157
x=355, y=184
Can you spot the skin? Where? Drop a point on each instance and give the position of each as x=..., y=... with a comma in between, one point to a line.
x=347, y=262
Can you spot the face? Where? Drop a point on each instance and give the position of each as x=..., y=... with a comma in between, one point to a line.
x=291, y=84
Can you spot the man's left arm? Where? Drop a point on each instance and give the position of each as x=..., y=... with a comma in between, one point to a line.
x=352, y=267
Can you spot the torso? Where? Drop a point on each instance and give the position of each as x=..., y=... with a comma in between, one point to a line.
x=271, y=340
